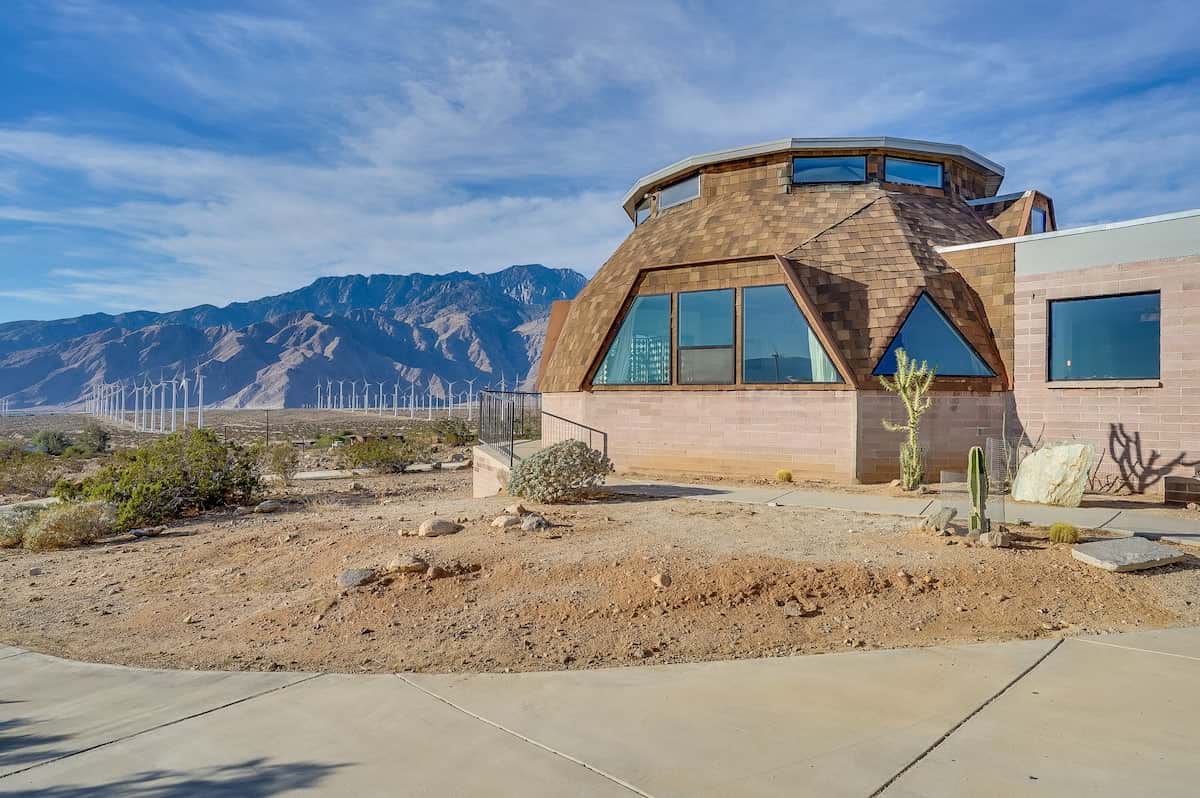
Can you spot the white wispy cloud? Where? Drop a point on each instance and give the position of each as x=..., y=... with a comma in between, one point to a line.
x=419, y=136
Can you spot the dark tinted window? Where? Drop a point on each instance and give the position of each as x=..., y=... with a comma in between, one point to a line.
x=641, y=352
x=1037, y=221
x=913, y=173
x=1105, y=338
x=676, y=193
x=778, y=344
x=836, y=169
x=706, y=337
x=642, y=212
x=928, y=335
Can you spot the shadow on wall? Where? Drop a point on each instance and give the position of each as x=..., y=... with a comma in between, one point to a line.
x=1131, y=470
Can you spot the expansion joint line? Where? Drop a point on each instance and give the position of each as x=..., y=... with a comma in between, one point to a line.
x=163, y=725
x=603, y=774
x=962, y=722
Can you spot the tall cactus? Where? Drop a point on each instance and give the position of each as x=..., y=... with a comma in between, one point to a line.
x=977, y=485
x=911, y=382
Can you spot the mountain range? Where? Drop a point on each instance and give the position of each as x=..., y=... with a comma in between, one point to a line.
x=271, y=352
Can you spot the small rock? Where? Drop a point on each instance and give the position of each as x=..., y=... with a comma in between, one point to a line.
x=243, y=510
x=437, y=572
x=533, y=522
x=269, y=506
x=796, y=609
x=904, y=576
x=1001, y=598
x=35, y=571
x=895, y=483
x=505, y=521
x=191, y=619
x=638, y=653
x=996, y=538
x=148, y=531
x=407, y=564
x=1193, y=506
x=435, y=527
x=662, y=580
x=356, y=577
x=357, y=486
x=515, y=509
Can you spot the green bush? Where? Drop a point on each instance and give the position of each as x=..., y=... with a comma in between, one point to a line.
x=67, y=526
x=14, y=523
x=559, y=472
x=1063, y=533
x=281, y=460
x=49, y=441
x=182, y=473
x=393, y=454
x=94, y=439
x=453, y=431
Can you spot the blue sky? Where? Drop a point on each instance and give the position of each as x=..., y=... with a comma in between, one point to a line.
x=161, y=155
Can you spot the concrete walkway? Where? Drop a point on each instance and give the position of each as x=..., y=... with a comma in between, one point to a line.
x=1101, y=716
x=1130, y=521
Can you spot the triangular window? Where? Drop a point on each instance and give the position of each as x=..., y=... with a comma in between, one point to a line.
x=640, y=354
x=927, y=334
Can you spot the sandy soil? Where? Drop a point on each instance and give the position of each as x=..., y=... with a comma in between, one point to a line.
x=259, y=592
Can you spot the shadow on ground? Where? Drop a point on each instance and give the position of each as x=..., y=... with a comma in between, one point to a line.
x=253, y=778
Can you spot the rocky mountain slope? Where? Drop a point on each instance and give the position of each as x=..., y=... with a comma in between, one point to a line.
x=429, y=329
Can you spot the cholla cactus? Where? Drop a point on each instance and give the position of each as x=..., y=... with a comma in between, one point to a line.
x=977, y=486
x=911, y=382
x=558, y=472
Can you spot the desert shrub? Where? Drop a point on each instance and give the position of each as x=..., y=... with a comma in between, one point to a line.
x=453, y=431
x=93, y=440
x=66, y=526
x=783, y=475
x=27, y=472
x=1063, y=533
x=14, y=523
x=392, y=454
x=49, y=441
x=281, y=460
x=182, y=473
x=558, y=472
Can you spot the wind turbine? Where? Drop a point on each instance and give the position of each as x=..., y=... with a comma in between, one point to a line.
x=183, y=382
x=328, y=394
x=450, y=398
x=366, y=406
x=174, y=404
x=341, y=394
x=199, y=399
x=470, y=396
x=380, y=407
x=318, y=404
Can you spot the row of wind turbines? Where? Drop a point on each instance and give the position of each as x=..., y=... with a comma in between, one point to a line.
x=145, y=407
x=374, y=397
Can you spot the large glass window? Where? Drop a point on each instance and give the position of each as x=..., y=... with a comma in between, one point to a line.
x=778, y=344
x=912, y=173
x=1037, y=221
x=706, y=337
x=642, y=212
x=928, y=335
x=641, y=352
x=1105, y=338
x=835, y=169
x=677, y=193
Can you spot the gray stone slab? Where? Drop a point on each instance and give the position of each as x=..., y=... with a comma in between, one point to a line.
x=1090, y=720
x=829, y=725
x=52, y=707
x=1126, y=554
x=879, y=505
x=335, y=735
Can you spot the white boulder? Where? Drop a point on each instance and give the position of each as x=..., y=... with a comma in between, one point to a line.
x=1056, y=474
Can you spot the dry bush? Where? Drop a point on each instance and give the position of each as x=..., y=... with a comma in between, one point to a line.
x=559, y=472
x=281, y=460
x=67, y=526
x=27, y=472
x=14, y=523
x=783, y=475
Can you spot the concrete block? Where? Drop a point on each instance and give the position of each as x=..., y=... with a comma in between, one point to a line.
x=1126, y=554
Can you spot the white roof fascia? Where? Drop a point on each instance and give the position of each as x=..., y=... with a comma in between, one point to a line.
x=1072, y=231
x=680, y=168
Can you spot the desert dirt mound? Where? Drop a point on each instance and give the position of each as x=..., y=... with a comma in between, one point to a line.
x=615, y=581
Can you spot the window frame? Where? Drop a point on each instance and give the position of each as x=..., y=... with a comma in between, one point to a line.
x=1049, y=349
x=794, y=182
x=617, y=331
x=745, y=316
x=698, y=177
x=1045, y=216
x=648, y=202
x=941, y=184
x=732, y=346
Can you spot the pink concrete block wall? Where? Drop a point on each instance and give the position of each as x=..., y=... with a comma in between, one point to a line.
x=952, y=425
x=747, y=433
x=1142, y=433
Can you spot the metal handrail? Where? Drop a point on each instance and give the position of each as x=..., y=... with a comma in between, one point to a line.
x=511, y=420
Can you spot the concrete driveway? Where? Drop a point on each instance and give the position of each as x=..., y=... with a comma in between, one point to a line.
x=1111, y=715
